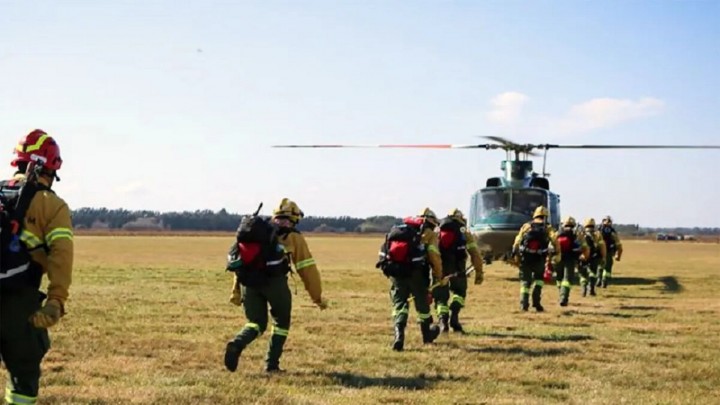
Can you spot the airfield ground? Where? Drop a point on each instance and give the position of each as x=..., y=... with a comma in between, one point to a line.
x=148, y=319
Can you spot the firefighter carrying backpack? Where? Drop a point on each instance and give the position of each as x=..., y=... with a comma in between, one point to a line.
x=17, y=269
x=607, y=234
x=594, y=250
x=402, y=252
x=453, y=243
x=534, y=244
x=257, y=255
x=569, y=245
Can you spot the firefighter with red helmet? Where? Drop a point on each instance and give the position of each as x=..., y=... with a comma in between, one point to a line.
x=37, y=240
x=404, y=258
x=456, y=243
x=574, y=250
x=535, y=243
x=274, y=291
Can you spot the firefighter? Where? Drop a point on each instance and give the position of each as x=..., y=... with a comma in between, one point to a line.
x=535, y=243
x=409, y=281
x=37, y=239
x=614, y=250
x=589, y=268
x=574, y=249
x=275, y=293
x=455, y=244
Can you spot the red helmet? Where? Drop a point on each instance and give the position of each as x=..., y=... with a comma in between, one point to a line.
x=38, y=145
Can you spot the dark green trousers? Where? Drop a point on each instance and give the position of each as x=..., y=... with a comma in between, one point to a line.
x=589, y=272
x=451, y=296
x=275, y=295
x=531, y=272
x=565, y=277
x=607, y=273
x=400, y=292
x=22, y=346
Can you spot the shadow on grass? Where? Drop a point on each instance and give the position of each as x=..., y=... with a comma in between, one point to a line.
x=632, y=281
x=547, y=352
x=623, y=316
x=671, y=284
x=642, y=307
x=421, y=382
x=637, y=297
x=543, y=338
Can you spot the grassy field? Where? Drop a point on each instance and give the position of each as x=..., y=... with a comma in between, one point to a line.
x=148, y=320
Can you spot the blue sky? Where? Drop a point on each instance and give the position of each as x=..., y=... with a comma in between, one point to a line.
x=174, y=105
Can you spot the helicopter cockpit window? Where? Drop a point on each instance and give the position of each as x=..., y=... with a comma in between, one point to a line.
x=525, y=201
x=493, y=201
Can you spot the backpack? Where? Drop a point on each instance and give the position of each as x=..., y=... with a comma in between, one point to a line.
x=452, y=242
x=257, y=255
x=534, y=244
x=17, y=269
x=607, y=234
x=590, y=240
x=402, y=252
x=569, y=245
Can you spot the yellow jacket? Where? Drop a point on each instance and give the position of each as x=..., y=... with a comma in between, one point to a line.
x=430, y=239
x=552, y=236
x=474, y=251
x=296, y=246
x=48, y=232
x=599, y=243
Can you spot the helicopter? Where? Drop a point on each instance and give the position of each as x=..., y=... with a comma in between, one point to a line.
x=498, y=211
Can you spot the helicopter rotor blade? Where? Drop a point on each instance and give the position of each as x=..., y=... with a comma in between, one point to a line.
x=512, y=146
x=397, y=146
x=549, y=146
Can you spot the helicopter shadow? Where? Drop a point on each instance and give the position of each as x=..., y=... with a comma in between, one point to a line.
x=421, y=382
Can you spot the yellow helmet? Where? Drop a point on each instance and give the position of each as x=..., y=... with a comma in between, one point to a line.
x=590, y=222
x=457, y=215
x=540, y=211
x=569, y=221
x=288, y=209
x=428, y=215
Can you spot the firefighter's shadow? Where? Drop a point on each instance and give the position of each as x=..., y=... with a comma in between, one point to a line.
x=421, y=382
x=670, y=284
x=524, y=351
x=543, y=338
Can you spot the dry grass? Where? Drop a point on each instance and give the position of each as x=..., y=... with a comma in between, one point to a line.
x=148, y=320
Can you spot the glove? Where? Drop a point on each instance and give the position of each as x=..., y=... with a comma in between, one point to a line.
x=444, y=281
x=48, y=315
x=233, y=265
x=322, y=304
x=479, y=277
x=236, y=298
x=617, y=258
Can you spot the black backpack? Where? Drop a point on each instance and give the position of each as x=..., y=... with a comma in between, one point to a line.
x=590, y=240
x=534, y=245
x=607, y=232
x=452, y=242
x=17, y=269
x=257, y=254
x=402, y=252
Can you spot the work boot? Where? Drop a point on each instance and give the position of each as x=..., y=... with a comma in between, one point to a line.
x=585, y=289
x=604, y=282
x=564, y=296
x=599, y=281
x=524, y=301
x=454, y=321
x=273, y=368
x=232, y=355
x=429, y=331
x=444, y=327
x=592, y=287
x=399, y=342
x=536, y=296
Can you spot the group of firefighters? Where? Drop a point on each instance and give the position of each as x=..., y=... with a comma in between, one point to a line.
x=425, y=261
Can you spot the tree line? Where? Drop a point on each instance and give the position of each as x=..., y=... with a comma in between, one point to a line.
x=222, y=220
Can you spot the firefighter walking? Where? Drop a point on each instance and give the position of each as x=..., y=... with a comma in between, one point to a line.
x=455, y=245
x=37, y=239
x=403, y=259
x=589, y=268
x=614, y=250
x=535, y=243
x=574, y=250
x=255, y=297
